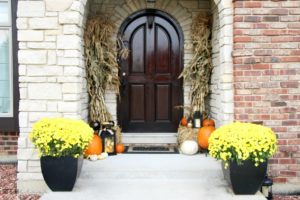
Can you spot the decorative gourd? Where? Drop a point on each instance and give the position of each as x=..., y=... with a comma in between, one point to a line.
x=189, y=147
x=184, y=121
x=120, y=148
x=203, y=135
x=95, y=146
x=208, y=122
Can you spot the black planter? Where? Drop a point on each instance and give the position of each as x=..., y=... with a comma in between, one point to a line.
x=59, y=172
x=245, y=178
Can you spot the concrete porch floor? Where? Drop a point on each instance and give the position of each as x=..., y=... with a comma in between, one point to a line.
x=151, y=177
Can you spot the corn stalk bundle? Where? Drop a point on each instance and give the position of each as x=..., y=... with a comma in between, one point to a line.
x=101, y=64
x=199, y=69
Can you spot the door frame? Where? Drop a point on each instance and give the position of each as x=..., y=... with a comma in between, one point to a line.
x=179, y=31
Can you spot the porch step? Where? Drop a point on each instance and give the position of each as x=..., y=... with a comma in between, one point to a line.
x=149, y=138
x=149, y=177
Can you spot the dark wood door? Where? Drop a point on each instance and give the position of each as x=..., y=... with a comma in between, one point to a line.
x=150, y=87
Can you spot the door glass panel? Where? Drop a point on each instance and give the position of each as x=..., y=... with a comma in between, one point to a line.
x=4, y=13
x=5, y=74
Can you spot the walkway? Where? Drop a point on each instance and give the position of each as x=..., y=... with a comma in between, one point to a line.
x=151, y=177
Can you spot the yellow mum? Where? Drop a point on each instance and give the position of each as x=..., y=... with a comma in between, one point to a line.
x=61, y=137
x=242, y=141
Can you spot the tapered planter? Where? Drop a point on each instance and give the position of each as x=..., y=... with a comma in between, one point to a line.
x=245, y=178
x=59, y=172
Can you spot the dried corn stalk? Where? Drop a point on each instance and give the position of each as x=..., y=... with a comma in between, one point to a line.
x=199, y=69
x=185, y=133
x=101, y=63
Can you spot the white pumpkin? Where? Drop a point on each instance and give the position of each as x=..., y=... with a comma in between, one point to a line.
x=189, y=147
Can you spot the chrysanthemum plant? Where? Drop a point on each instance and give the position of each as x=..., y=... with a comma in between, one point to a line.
x=58, y=137
x=239, y=141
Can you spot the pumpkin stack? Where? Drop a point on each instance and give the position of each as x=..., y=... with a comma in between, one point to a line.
x=208, y=126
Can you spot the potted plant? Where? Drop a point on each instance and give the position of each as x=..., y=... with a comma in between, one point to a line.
x=60, y=143
x=244, y=149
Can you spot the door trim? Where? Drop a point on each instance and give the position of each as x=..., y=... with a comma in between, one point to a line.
x=177, y=28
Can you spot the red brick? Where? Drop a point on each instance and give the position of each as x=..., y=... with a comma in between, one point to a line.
x=274, y=32
x=289, y=123
x=280, y=117
x=279, y=129
x=252, y=19
x=279, y=180
x=281, y=142
x=281, y=39
x=294, y=142
x=252, y=60
x=290, y=84
x=279, y=11
x=252, y=98
x=288, y=72
x=288, y=173
x=242, y=39
x=271, y=18
x=252, y=4
x=295, y=52
x=261, y=26
x=263, y=52
x=238, y=18
x=287, y=161
x=294, y=25
x=290, y=59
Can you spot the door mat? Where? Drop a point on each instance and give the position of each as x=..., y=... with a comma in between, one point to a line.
x=141, y=149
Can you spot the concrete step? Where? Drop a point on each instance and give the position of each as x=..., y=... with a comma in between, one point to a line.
x=149, y=177
x=149, y=138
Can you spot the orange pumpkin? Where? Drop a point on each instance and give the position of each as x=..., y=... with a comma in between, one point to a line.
x=120, y=148
x=95, y=146
x=208, y=122
x=203, y=135
x=184, y=121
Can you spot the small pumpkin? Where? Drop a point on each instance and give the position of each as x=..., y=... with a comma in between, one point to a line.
x=120, y=148
x=203, y=135
x=184, y=121
x=208, y=122
x=95, y=146
x=189, y=147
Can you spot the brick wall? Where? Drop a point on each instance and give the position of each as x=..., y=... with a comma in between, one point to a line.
x=267, y=76
x=8, y=143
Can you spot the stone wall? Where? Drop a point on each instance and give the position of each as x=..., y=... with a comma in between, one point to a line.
x=52, y=74
x=267, y=76
x=221, y=98
x=52, y=70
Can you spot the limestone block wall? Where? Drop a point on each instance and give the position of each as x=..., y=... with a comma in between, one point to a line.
x=52, y=70
x=221, y=98
x=51, y=74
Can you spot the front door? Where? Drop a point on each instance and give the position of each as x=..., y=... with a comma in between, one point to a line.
x=150, y=87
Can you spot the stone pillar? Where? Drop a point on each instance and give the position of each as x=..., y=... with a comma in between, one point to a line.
x=52, y=74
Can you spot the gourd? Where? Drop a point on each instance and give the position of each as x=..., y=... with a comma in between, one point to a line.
x=203, y=135
x=189, y=147
x=208, y=122
x=184, y=121
x=120, y=148
x=95, y=146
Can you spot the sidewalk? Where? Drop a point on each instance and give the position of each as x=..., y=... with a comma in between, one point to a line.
x=151, y=177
